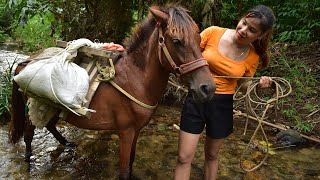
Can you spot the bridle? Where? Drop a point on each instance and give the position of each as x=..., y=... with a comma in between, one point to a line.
x=183, y=68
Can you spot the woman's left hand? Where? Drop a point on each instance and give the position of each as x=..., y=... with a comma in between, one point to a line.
x=265, y=82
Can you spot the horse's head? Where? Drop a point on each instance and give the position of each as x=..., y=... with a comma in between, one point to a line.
x=179, y=50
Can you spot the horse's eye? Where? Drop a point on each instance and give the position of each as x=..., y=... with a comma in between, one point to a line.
x=176, y=41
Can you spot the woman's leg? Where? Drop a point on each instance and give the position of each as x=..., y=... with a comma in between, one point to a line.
x=212, y=148
x=187, y=147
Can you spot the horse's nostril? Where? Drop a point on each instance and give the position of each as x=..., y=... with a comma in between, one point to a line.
x=205, y=89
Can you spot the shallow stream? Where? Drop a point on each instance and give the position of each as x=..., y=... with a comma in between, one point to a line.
x=96, y=154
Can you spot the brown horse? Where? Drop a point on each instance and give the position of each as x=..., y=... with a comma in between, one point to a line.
x=166, y=41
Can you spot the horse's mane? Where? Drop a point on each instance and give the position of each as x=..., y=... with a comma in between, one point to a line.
x=180, y=24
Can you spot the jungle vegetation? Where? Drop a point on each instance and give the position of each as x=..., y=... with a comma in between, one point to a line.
x=37, y=24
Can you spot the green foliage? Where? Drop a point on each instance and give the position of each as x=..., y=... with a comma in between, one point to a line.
x=303, y=85
x=294, y=70
x=298, y=21
x=197, y=7
x=290, y=113
x=23, y=10
x=17, y=12
x=303, y=36
x=229, y=15
x=37, y=33
x=28, y=21
x=7, y=21
x=3, y=36
x=5, y=90
x=304, y=126
x=311, y=107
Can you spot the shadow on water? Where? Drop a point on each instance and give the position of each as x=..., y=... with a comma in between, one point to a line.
x=96, y=156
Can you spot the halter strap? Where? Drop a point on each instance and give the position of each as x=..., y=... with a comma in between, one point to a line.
x=184, y=68
x=163, y=46
x=193, y=65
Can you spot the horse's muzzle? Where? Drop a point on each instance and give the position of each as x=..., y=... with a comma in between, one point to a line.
x=203, y=93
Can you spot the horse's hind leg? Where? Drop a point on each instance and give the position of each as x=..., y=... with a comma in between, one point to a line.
x=28, y=136
x=51, y=126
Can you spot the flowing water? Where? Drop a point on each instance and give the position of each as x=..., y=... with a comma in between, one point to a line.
x=96, y=154
x=9, y=57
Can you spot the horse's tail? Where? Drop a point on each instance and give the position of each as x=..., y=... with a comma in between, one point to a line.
x=18, y=117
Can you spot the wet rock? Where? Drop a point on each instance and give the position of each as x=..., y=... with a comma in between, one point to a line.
x=289, y=137
x=114, y=137
x=49, y=149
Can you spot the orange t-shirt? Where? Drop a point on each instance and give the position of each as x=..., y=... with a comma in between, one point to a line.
x=221, y=65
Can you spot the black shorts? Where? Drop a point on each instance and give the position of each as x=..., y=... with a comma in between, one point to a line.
x=216, y=115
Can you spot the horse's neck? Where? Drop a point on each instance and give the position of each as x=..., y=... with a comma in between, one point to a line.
x=149, y=82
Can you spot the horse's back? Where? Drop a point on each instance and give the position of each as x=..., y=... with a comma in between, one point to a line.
x=46, y=53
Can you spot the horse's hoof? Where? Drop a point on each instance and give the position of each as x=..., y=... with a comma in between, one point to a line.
x=70, y=145
x=124, y=178
x=27, y=157
x=127, y=177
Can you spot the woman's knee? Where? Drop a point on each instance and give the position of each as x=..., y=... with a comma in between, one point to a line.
x=212, y=156
x=185, y=158
x=212, y=148
x=187, y=147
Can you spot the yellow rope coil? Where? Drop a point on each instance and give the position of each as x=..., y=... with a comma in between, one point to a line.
x=251, y=98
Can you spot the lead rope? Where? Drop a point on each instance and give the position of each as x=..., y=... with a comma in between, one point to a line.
x=252, y=98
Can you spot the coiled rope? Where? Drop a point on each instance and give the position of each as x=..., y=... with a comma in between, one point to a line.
x=251, y=99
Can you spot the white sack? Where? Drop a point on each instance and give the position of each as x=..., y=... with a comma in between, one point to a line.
x=57, y=78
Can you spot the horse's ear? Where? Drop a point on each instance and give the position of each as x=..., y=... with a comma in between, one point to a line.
x=159, y=15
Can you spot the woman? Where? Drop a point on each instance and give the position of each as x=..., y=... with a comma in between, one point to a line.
x=229, y=52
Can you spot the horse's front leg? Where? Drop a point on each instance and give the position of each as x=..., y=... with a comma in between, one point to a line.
x=28, y=136
x=128, y=140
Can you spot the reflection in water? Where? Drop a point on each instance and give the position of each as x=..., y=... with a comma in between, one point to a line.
x=96, y=156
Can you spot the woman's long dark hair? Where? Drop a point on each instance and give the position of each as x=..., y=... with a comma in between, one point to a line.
x=267, y=20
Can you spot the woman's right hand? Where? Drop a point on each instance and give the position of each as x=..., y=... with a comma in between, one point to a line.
x=265, y=82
